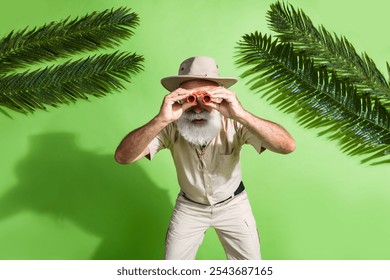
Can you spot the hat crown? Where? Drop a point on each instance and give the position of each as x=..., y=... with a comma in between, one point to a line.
x=202, y=66
x=197, y=67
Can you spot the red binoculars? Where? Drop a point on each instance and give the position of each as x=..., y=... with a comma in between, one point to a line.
x=206, y=97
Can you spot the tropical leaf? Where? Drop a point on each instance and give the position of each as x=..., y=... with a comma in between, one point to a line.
x=67, y=37
x=319, y=98
x=333, y=51
x=68, y=82
x=54, y=85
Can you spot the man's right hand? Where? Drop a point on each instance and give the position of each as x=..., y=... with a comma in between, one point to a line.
x=174, y=105
x=134, y=145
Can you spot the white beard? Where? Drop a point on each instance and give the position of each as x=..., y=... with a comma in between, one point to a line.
x=199, y=134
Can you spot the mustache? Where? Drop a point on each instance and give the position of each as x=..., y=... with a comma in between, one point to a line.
x=191, y=116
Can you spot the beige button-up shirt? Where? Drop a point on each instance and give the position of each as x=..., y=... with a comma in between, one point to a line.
x=212, y=174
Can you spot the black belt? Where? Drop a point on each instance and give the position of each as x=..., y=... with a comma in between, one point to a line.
x=239, y=190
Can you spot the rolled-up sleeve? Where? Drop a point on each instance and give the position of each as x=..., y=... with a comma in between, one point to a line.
x=161, y=141
x=248, y=137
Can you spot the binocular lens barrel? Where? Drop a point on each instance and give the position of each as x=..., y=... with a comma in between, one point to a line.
x=206, y=98
x=191, y=98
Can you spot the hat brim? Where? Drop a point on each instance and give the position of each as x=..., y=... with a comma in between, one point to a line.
x=173, y=82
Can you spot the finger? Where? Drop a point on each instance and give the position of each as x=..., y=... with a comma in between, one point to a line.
x=179, y=92
x=221, y=90
x=220, y=97
x=220, y=108
x=216, y=100
x=177, y=96
x=186, y=105
x=217, y=90
x=212, y=105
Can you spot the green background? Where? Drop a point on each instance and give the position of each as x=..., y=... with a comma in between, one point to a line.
x=62, y=196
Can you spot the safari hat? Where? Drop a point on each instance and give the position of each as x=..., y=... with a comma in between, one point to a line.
x=197, y=67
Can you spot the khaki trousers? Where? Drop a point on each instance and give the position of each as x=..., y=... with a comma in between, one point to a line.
x=232, y=220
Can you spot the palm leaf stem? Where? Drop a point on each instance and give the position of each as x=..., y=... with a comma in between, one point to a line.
x=318, y=96
x=337, y=53
x=66, y=37
x=65, y=83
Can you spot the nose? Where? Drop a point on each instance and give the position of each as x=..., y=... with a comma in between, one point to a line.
x=198, y=108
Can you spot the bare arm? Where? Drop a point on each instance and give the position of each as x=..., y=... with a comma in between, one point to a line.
x=134, y=145
x=274, y=137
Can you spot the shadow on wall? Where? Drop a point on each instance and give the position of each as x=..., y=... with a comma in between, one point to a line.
x=119, y=204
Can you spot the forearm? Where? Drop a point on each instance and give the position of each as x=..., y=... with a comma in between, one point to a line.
x=134, y=145
x=273, y=136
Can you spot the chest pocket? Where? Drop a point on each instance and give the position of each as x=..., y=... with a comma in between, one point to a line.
x=224, y=164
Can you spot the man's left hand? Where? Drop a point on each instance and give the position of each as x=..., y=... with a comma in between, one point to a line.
x=226, y=102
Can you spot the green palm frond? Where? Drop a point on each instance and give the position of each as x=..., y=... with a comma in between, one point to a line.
x=333, y=51
x=319, y=98
x=94, y=76
x=66, y=37
x=68, y=82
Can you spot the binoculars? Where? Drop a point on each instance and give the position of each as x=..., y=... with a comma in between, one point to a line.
x=206, y=97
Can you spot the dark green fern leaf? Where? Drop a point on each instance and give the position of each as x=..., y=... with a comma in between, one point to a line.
x=295, y=27
x=55, y=85
x=317, y=96
x=67, y=37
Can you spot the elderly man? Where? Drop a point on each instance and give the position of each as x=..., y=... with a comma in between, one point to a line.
x=204, y=126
